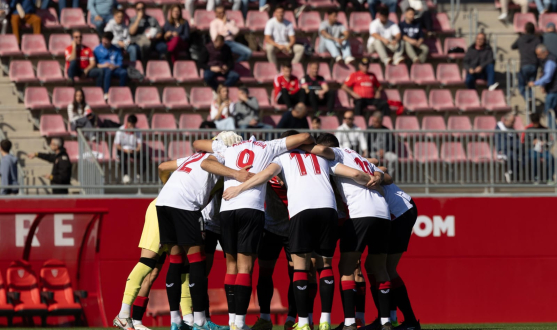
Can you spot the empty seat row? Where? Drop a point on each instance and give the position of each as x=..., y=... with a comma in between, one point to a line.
x=454, y=123
x=451, y=152
x=34, y=45
x=520, y=20
x=465, y=100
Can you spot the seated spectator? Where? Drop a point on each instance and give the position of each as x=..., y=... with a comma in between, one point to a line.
x=61, y=5
x=286, y=88
x=384, y=35
x=334, y=38
x=101, y=12
x=23, y=12
x=78, y=108
x=422, y=13
x=246, y=111
x=8, y=168
x=538, y=151
x=4, y=12
x=222, y=110
x=549, y=79
x=61, y=173
x=227, y=28
x=293, y=4
x=109, y=61
x=505, y=7
x=546, y=6
x=121, y=33
x=389, y=5
x=219, y=63
x=146, y=32
x=382, y=142
x=176, y=33
x=479, y=63
x=317, y=90
x=129, y=145
x=80, y=60
x=366, y=89
x=316, y=123
x=356, y=5
x=280, y=37
x=413, y=38
x=297, y=118
x=354, y=138
x=236, y=5
x=526, y=45
x=507, y=145
x=550, y=39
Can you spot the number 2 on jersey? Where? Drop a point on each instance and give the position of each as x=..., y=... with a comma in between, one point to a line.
x=245, y=158
x=300, y=161
x=193, y=158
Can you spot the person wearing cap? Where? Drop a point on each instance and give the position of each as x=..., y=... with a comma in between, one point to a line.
x=549, y=79
x=365, y=89
x=550, y=38
x=479, y=63
x=246, y=111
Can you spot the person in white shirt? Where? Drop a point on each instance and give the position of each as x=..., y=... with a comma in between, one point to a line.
x=384, y=35
x=222, y=110
x=129, y=146
x=280, y=37
x=190, y=5
x=334, y=38
x=121, y=33
x=353, y=139
x=78, y=108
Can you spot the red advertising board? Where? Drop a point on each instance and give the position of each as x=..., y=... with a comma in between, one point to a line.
x=471, y=259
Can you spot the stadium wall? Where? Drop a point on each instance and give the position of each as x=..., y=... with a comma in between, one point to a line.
x=471, y=259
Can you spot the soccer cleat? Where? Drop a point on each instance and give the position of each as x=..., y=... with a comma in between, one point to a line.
x=303, y=327
x=245, y=327
x=140, y=327
x=289, y=325
x=262, y=324
x=387, y=326
x=213, y=326
x=123, y=323
x=324, y=326
x=375, y=325
x=201, y=327
x=409, y=326
x=340, y=326
x=350, y=327
x=359, y=323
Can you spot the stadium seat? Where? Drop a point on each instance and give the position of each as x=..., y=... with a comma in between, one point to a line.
x=175, y=98
x=275, y=105
x=324, y=72
x=233, y=94
x=156, y=149
x=433, y=123
x=391, y=94
x=49, y=72
x=157, y=14
x=237, y=17
x=479, y=152
x=325, y=53
x=342, y=102
x=397, y=74
x=148, y=98
x=452, y=43
x=376, y=69
x=359, y=22
x=9, y=46
x=57, y=44
x=468, y=100
x=167, y=2
x=36, y=98
x=452, y=152
x=120, y=98
x=341, y=72
x=20, y=278
x=190, y=121
x=55, y=278
x=323, y=4
x=494, y=100
x=62, y=97
x=186, y=72
x=163, y=121
x=357, y=47
x=72, y=18
x=518, y=124
x=520, y=20
x=49, y=18
x=449, y=74
x=459, y=123
x=256, y=20
x=100, y=151
x=243, y=69
x=406, y=123
x=142, y=122
x=262, y=97
x=158, y=72
x=545, y=19
x=33, y=45
x=310, y=21
x=6, y=308
x=482, y=123
x=203, y=18
x=112, y=117
x=387, y=122
x=264, y=72
x=426, y=152
x=360, y=122
x=441, y=23
x=158, y=304
x=201, y=97
x=179, y=149
x=95, y=97
x=289, y=16
x=91, y=40
x=298, y=70
x=272, y=120
x=327, y=122
x=422, y=74
x=435, y=48
x=53, y=126
x=72, y=148
x=415, y=100
x=441, y=100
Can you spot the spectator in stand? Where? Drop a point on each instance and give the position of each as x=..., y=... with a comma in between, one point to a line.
x=526, y=45
x=479, y=63
x=101, y=12
x=80, y=60
x=366, y=89
x=354, y=137
x=129, y=145
x=422, y=13
x=61, y=5
x=246, y=111
x=294, y=5
x=236, y=5
x=334, y=38
x=109, y=61
x=317, y=90
x=280, y=37
x=382, y=142
x=315, y=123
x=356, y=5
x=389, y=5
x=413, y=37
x=505, y=7
x=537, y=148
x=384, y=35
x=219, y=63
x=62, y=169
x=176, y=33
x=297, y=118
x=227, y=28
x=507, y=145
x=121, y=33
x=146, y=32
x=286, y=88
x=8, y=168
x=23, y=12
x=549, y=79
x=550, y=38
x=4, y=11
x=546, y=6
x=78, y=108
x=222, y=110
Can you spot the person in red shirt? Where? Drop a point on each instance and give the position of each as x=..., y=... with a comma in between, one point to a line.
x=287, y=88
x=80, y=61
x=365, y=89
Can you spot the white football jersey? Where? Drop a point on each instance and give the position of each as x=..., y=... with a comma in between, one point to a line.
x=307, y=179
x=362, y=202
x=259, y=154
x=398, y=200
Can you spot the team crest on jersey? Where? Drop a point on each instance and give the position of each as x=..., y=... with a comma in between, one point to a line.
x=54, y=272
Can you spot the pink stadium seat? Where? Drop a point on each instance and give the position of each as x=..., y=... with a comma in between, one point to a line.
x=237, y=17
x=163, y=121
x=36, y=98
x=95, y=97
x=468, y=100
x=393, y=18
x=275, y=105
x=341, y=18
x=359, y=22
x=325, y=72
x=262, y=97
x=256, y=20
x=22, y=72
x=110, y=116
x=175, y=98
x=91, y=40
x=264, y=72
x=158, y=72
x=342, y=102
x=518, y=124
x=120, y=98
x=357, y=47
x=148, y=98
x=233, y=94
x=484, y=123
x=72, y=18
x=415, y=100
x=494, y=100
x=449, y=74
x=272, y=120
x=328, y=122
x=422, y=74
x=57, y=43
x=72, y=148
x=186, y=72
x=407, y=123
x=520, y=20
x=246, y=75
x=309, y=21
x=158, y=154
x=546, y=18
x=452, y=152
x=49, y=72
x=441, y=100
x=53, y=126
x=190, y=121
x=203, y=18
x=33, y=45
x=289, y=16
x=9, y=46
x=441, y=23
x=179, y=149
x=201, y=97
x=62, y=96
x=49, y=18
x=426, y=152
x=397, y=74
x=321, y=4
x=376, y=69
x=435, y=48
x=479, y=152
x=156, y=13
x=433, y=123
x=360, y=122
x=459, y=123
x=387, y=122
x=341, y=72
x=391, y=94
x=298, y=70
x=142, y=122
x=455, y=42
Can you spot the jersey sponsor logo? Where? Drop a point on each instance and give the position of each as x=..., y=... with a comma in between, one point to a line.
x=425, y=226
x=20, y=273
x=169, y=285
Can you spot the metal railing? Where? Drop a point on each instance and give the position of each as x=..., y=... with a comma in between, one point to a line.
x=90, y=173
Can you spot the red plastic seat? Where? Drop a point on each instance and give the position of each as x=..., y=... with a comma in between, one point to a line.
x=341, y=72
x=49, y=18
x=158, y=153
x=203, y=18
x=95, y=97
x=120, y=98
x=262, y=97
x=441, y=100
x=237, y=17
x=479, y=152
x=33, y=45
x=359, y=22
x=100, y=151
x=274, y=104
x=190, y=121
x=376, y=69
x=484, y=123
x=298, y=70
x=158, y=72
x=518, y=124
x=545, y=19
x=449, y=74
x=53, y=126
x=56, y=279
x=453, y=152
x=6, y=308
x=36, y=98
x=342, y=102
x=246, y=75
x=415, y=100
x=360, y=122
x=256, y=20
x=72, y=18
x=112, y=117
x=142, y=122
x=441, y=23
x=324, y=4
x=387, y=122
x=157, y=14
x=49, y=72
x=435, y=48
x=520, y=20
x=21, y=278
x=391, y=94
x=422, y=74
x=494, y=100
x=272, y=120
x=163, y=121
x=9, y=46
x=341, y=18
x=57, y=43
x=433, y=123
x=455, y=42
x=459, y=123
x=62, y=97
x=148, y=98
x=289, y=16
x=310, y=21
x=324, y=72
x=72, y=148
x=468, y=100
x=397, y=74
x=179, y=149
x=175, y=98
x=186, y=72
x=22, y=72
x=407, y=123
x=201, y=97
x=264, y=72
x=91, y=40
x=426, y=152
x=327, y=122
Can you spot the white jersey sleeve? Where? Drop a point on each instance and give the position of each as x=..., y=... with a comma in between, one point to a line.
x=398, y=200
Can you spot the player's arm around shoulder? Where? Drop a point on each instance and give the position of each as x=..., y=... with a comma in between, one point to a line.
x=166, y=168
x=212, y=165
x=260, y=178
x=319, y=150
x=350, y=173
x=387, y=178
x=294, y=141
x=203, y=145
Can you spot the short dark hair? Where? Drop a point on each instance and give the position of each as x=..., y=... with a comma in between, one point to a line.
x=76, y=30
x=383, y=11
x=116, y=11
x=219, y=6
x=132, y=119
x=286, y=65
x=243, y=89
x=317, y=119
x=6, y=145
x=529, y=28
x=290, y=132
x=108, y=35
x=207, y=125
x=535, y=118
x=410, y=9
x=139, y=3
x=328, y=140
x=332, y=11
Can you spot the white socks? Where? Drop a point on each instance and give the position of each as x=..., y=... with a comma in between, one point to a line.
x=393, y=316
x=188, y=319
x=361, y=316
x=199, y=318
x=385, y=320
x=265, y=316
x=175, y=317
x=137, y=322
x=349, y=321
x=240, y=321
x=290, y=318
x=302, y=321
x=124, y=311
x=326, y=317
x=231, y=318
